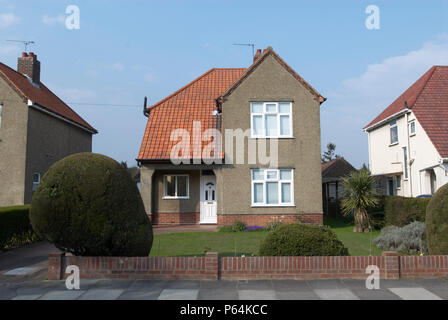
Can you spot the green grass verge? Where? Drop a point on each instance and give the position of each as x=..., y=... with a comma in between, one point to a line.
x=247, y=243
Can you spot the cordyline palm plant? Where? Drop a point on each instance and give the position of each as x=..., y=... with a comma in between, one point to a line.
x=359, y=195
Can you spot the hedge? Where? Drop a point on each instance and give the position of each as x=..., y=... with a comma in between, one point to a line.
x=400, y=211
x=15, y=227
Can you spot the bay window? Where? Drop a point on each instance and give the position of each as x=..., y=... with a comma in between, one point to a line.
x=271, y=119
x=272, y=187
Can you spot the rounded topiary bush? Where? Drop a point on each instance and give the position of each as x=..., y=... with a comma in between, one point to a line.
x=88, y=204
x=297, y=239
x=436, y=221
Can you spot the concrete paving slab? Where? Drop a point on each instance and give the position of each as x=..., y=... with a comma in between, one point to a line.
x=21, y=271
x=27, y=297
x=182, y=284
x=218, y=294
x=414, y=294
x=255, y=285
x=381, y=294
x=41, y=288
x=256, y=295
x=218, y=284
x=101, y=294
x=326, y=284
x=296, y=295
x=146, y=284
x=7, y=293
x=179, y=294
x=112, y=284
x=398, y=283
x=336, y=294
x=62, y=295
x=140, y=295
x=290, y=285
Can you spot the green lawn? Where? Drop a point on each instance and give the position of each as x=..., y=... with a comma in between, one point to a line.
x=247, y=243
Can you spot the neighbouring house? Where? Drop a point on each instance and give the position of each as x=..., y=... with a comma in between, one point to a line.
x=332, y=191
x=268, y=102
x=408, y=141
x=36, y=130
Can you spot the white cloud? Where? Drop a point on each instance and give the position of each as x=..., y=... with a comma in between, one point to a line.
x=359, y=100
x=118, y=66
x=52, y=20
x=8, y=20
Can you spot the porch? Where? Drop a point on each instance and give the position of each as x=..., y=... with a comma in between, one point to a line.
x=180, y=196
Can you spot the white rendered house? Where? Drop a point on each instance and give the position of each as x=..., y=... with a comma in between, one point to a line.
x=408, y=141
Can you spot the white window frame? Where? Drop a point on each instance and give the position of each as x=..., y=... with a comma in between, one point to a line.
x=412, y=122
x=278, y=180
x=393, y=124
x=165, y=196
x=36, y=184
x=263, y=120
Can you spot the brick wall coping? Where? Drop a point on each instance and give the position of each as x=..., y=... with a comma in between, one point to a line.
x=213, y=267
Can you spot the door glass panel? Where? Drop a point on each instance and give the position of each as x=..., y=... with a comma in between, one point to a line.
x=206, y=195
x=213, y=195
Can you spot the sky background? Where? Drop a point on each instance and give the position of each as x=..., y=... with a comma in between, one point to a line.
x=125, y=50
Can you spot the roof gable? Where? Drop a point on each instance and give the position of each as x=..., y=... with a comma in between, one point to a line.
x=337, y=168
x=270, y=52
x=42, y=96
x=427, y=98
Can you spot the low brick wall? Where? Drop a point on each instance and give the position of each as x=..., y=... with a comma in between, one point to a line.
x=175, y=218
x=212, y=267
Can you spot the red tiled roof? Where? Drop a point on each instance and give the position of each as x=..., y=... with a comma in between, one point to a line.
x=428, y=99
x=41, y=96
x=194, y=102
x=336, y=168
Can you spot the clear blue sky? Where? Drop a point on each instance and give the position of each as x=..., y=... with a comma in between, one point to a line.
x=125, y=50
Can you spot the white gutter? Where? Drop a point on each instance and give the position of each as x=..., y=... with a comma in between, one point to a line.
x=389, y=118
x=32, y=104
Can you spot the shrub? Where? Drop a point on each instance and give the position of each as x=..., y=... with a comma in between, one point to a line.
x=376, y=214
x=253, y=228
x=297, y=239
x=437, y=222
x=407, y=239
x=239, y=226
x=88, y=204
x=400, y=211
x=273, y=225
x=15, y=227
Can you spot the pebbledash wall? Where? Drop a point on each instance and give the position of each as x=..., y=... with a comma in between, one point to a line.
x=213, y=267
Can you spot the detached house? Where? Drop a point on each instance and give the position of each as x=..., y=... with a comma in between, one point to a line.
x=408, y=141
x=268, y=102
x=36, y=130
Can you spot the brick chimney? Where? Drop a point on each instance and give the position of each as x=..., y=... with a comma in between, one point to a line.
x=28, y=65
x=257, y=55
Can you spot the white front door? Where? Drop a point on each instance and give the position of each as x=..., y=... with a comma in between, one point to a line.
x=208, y=199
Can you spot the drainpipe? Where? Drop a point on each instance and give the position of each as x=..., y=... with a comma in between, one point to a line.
x=409, y=149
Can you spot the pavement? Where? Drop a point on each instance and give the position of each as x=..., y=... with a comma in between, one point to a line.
x=114, y=289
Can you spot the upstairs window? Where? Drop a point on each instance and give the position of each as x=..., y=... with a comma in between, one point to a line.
x=272, y=187
x=412, y=128
x=36, y=180
x=393, y=132
x=176, y=187
x=271, y=119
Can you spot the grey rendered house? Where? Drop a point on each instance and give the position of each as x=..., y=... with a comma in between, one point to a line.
x=271, y=104
x=36, y=130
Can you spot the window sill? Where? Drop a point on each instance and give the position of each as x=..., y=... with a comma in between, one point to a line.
x=411, y=135
x=291, y=137
x=175, y=198
x=393, y=144
x=273, y=206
